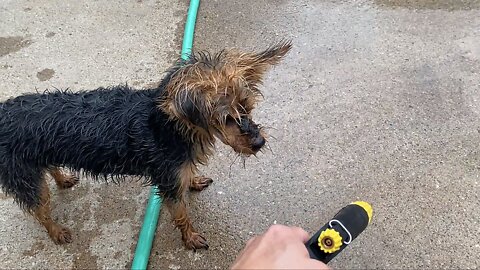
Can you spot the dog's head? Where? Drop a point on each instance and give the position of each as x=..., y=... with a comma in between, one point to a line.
x=215, y=95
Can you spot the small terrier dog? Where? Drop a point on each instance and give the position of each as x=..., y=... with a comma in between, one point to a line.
x=158, y=134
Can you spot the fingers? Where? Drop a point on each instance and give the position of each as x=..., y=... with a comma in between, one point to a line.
x=291, y=232
x=312, y=264
x=301, y=234
x=251, y=241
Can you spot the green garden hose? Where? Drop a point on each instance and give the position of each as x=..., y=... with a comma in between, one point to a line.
x=152, y=212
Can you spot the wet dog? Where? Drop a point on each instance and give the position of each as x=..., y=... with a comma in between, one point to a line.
x=159, y=134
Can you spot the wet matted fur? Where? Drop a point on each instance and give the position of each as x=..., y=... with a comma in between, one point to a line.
x=158, y=134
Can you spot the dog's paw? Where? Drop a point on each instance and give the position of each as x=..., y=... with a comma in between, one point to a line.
x=61, y=235
x=199, y=183
x=196, y=241
x=68, y=182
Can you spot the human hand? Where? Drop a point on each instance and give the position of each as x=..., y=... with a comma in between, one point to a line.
x=281, y=247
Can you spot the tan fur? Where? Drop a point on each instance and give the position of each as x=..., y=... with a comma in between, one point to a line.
x=199, y=183
x=63, y=180
x=58, y=233
x=178, y=209
x=191, y=238
x=231, y=135
x=186, y=173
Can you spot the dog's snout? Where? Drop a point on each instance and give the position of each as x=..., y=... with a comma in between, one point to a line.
x=245, y=125
x=248, y=126
x=258, y=142
x=252, y=130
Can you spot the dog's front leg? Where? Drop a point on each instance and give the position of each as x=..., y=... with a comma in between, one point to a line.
x=199, y=183
x=178, y=211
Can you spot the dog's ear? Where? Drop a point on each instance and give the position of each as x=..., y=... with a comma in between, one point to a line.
x=256, y=65
x=187, y=91
x=273, y=55
x=192, y=106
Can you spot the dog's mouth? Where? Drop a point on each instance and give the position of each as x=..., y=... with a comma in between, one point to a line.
x=243, y=135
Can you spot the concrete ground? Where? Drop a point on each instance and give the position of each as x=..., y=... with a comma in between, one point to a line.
x=379, y=101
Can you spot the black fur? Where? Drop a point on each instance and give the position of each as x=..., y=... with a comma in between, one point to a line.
x=107, y=133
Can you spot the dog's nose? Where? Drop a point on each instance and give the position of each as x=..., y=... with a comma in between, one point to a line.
x=258, y=142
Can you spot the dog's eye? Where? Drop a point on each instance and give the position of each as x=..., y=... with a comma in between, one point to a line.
x=246, y=106
x=230, y=121
x=243, y=109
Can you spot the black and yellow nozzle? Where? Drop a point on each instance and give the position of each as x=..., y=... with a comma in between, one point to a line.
x=340, y=231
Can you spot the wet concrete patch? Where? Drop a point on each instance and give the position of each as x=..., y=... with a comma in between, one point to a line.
x=50, y=34
x=114, y=252
x=45, y=74
x=470, y=46
x=254, y=22
x=431, y=4
x=13, y=44
x=104, y=220
x=34, y=249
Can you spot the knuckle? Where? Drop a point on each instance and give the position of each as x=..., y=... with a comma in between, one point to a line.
x=275, y=229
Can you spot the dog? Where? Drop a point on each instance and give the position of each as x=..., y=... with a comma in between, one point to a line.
x=159, y=134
